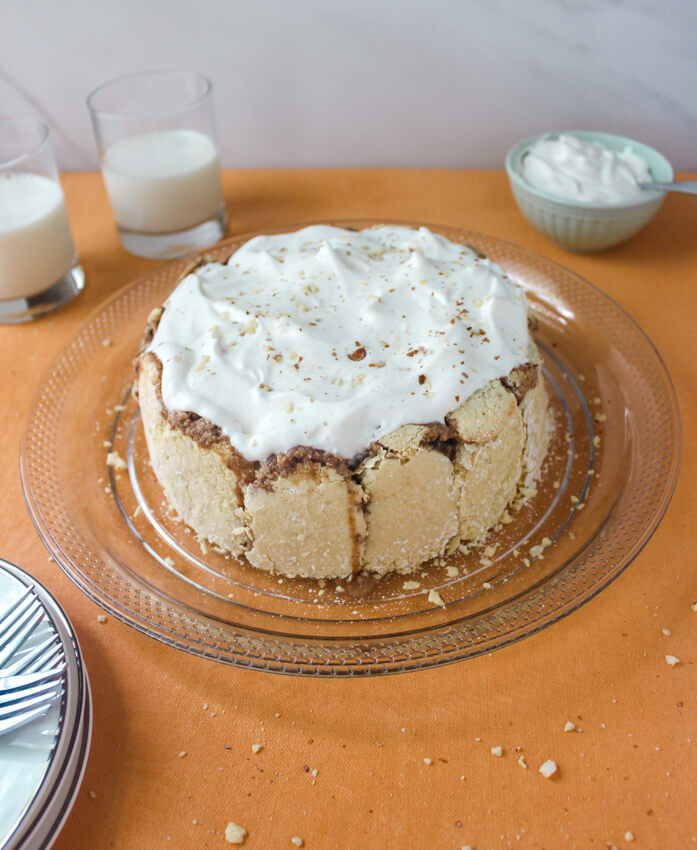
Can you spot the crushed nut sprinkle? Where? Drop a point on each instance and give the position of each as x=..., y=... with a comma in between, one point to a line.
x=358, y=354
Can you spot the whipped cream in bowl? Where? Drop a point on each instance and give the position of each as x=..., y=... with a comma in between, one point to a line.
x=576, y=169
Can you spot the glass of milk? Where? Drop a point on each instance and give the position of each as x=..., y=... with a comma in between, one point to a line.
x=159, y=160
x=38, y=264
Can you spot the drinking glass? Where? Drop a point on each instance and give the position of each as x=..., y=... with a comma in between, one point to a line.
x=39, y=271
x=159, y=159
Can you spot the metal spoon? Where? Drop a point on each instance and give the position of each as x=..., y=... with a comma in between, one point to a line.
x=689, y=187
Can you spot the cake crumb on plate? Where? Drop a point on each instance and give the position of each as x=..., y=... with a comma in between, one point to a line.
x=435, y=598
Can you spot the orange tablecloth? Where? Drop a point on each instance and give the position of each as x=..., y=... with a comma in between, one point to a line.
x=632, y=767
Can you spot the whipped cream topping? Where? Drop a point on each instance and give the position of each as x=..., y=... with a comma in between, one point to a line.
x=578, y=170
x=332, y=338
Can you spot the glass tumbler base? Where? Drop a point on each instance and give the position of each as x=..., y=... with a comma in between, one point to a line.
x=19, y=310
x=167, y=246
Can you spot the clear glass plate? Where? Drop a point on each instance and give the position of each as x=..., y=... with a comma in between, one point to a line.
x=609, y=476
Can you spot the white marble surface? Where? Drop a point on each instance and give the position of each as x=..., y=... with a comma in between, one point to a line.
x=369, y=82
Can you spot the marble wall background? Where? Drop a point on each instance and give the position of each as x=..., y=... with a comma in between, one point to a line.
x=369, y=82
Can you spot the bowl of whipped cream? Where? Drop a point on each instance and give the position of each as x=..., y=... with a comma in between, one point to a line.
x=583, y=189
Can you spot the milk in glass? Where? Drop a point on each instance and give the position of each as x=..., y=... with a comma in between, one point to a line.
x=164, y=181
x=36, y=245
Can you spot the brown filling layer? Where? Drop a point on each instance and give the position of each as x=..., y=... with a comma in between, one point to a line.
x=439, y=436
x=283, y=464
x=521, y=380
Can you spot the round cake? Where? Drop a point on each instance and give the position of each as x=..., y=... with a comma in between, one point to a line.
x=330, y=401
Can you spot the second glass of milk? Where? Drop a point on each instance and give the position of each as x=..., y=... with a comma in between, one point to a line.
x=160, y=162
x=39, y=271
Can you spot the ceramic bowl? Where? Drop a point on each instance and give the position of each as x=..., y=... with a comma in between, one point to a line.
x=582, y=226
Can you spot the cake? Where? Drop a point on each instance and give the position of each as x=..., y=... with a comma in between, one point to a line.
x=330, y=401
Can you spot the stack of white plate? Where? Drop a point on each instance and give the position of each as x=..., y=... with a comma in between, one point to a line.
x=42, y=763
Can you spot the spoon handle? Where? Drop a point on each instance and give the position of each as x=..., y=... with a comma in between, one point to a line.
x=689, y=187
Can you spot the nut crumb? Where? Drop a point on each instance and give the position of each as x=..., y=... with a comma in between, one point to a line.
x=666, y=632
x=411, y=585
x=235, y=834
x=257, y=748
x=101, y=618
x=435, y=598
x=451, y=572
x=672, y=660
x=497, y=751
x=629, y=835
x=522, y=762
x=570, y=727
x=428, y=761
x=93, y=795
x=548, y=768
x=115, y=460
x=182, y=754
x=297, y=841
